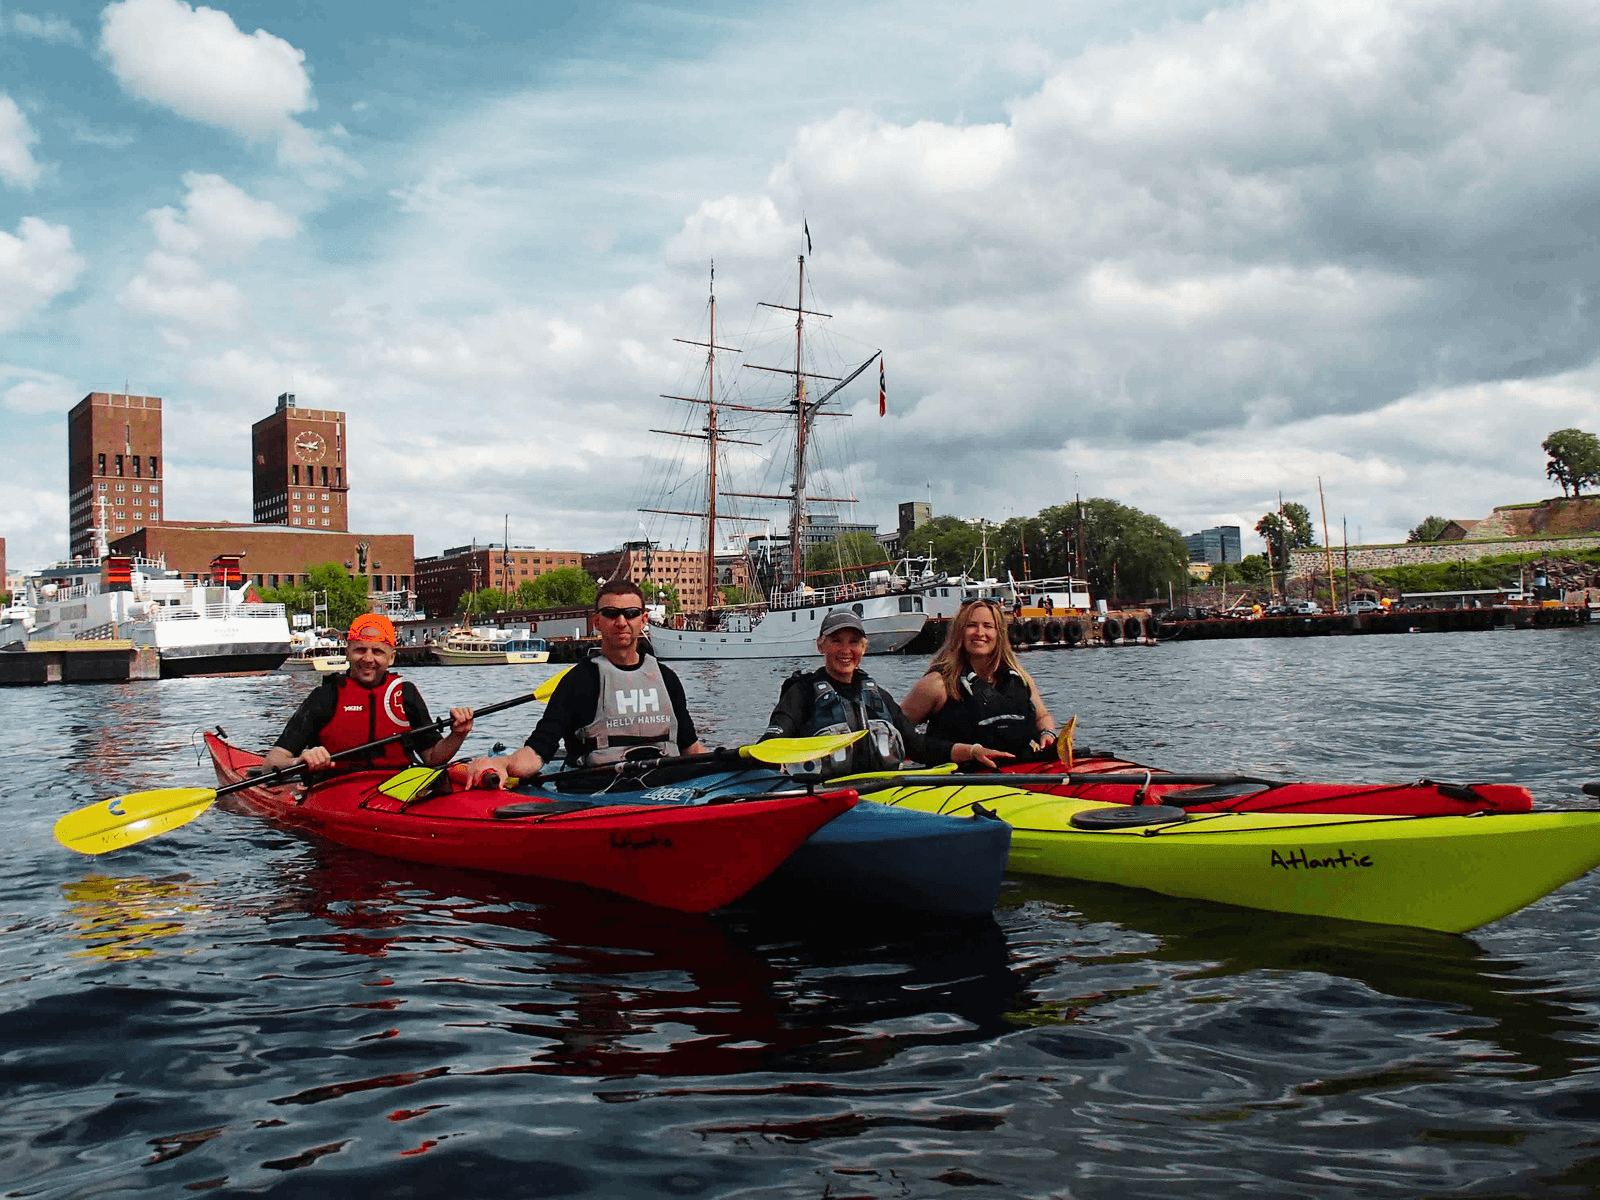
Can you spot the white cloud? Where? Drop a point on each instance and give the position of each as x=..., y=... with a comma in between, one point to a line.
x=36, y=393
x=16, y=136
x=49, y=29
x=199, y=64
x=36, y=266
x=220, y=223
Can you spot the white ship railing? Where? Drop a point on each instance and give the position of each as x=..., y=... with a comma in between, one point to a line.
x=217, y=612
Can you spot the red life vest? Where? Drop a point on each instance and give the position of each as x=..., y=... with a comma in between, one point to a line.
x=362, y=715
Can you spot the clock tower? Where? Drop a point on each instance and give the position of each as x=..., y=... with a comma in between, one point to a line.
x=301, y=467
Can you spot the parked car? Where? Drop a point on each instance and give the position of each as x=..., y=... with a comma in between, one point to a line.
x=1304, y=608
x=1356, y=607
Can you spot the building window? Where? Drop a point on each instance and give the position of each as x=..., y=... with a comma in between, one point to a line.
x=154, y=487
x=325, y=522
x=102, y=469
x=295, y=507
x=121, y=486
x=103, y=486
x=119, y=464
x=294, y=520
x=297, y=495
x=324, y=496
x=122, y=529
x=338, y=477
x=296, y=473
x=324, y=476
x=152, y=468
x=324, y=508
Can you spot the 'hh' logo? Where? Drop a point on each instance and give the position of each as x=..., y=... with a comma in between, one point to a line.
x=639, y=700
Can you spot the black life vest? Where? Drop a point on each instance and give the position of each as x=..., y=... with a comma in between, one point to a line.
x=362, y=715
x=830, y=712
x=998, y=715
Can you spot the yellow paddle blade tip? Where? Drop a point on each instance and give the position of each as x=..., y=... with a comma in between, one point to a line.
x=546, y=689
x=127, y=820
x=799, y=750
x=410, y=783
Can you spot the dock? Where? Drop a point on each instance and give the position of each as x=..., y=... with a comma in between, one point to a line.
x=1408, y=620
x=113, y=660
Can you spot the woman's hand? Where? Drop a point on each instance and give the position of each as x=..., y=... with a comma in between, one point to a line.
x=978, y=753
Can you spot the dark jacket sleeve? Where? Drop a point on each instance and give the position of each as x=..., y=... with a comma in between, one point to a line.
x=315, y=711
x=680, y=708
x=790, y=714
x=924, y=748
x=571, y=707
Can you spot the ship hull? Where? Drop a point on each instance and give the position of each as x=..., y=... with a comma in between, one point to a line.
x=789, y=633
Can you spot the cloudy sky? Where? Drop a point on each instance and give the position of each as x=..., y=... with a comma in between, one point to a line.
x=1180, y=254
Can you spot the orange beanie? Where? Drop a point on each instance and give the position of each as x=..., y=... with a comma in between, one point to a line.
x=372, y=627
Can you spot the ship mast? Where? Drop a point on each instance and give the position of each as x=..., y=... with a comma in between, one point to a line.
x=711, y=447
x=797, y=507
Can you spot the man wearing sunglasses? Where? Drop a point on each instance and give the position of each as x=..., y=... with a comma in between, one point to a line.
x=613, y=705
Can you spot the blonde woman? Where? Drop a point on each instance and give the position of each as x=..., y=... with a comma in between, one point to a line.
x=975, y=691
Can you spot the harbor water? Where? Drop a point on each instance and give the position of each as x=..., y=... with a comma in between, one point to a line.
x=231, y=1009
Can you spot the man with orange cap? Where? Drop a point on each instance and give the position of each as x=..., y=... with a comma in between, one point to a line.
x=364, y=704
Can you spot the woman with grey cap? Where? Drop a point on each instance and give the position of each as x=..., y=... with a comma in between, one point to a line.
x=839, y=697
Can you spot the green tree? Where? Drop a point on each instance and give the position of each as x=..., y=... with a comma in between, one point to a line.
x=1428, y=530
x=953, y=544
x=732, y=594
x=565, y=587
x=654, y=593
x=1574, y=459
x=348, y=596
x=1130, y=555
x=846, y=560
x=1298, y=518
x=484, y=602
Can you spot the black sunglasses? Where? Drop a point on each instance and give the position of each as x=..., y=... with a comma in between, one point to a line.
x=610, y=612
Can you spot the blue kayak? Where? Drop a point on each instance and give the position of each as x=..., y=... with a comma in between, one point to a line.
x=870, y=856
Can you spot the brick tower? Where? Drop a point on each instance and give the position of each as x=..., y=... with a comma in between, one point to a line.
x=114, y=468
x=301, y=470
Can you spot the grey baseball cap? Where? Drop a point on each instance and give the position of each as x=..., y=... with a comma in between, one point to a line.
x=842, y=619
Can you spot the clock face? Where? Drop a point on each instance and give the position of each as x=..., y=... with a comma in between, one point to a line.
x=310, y=447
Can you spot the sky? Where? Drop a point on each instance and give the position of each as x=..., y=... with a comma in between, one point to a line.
x=1184, y=255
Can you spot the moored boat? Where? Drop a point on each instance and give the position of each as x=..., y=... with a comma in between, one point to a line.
x=694, y=859
x=1450, y=873
x=490, y=648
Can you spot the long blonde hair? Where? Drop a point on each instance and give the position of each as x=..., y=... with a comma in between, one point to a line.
x=951, y=663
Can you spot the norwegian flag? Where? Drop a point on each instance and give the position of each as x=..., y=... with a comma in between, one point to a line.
x=883, y=393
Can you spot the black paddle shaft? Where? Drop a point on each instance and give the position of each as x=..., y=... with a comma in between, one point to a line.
x=1075, y=777
x=442, y=723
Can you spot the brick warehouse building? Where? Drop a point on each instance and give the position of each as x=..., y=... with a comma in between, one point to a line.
x=272, y=555
x=299, y=472
x=114, y=468
x=444, y=578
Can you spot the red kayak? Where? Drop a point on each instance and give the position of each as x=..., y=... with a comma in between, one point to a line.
x=690, y=858
x=1424, y=798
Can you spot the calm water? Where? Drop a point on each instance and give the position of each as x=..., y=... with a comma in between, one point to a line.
x=232, y=1009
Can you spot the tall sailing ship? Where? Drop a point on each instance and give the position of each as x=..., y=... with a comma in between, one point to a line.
x=784, y=622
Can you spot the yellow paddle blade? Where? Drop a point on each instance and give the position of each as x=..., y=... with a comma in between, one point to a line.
x=799, y=750
x=410, y=783
x=545, y=689
x=112, y=824
x=941, y=769
x=1064, y=741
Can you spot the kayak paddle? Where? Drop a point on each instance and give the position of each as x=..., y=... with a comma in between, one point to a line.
x=127, y=820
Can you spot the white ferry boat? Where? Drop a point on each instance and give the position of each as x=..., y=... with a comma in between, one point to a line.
x=195, y=628
x=491, y=648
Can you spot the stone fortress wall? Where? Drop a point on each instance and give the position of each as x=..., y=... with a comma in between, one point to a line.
x=1544, y=527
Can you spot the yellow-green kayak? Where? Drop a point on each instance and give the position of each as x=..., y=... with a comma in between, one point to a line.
x=1435, y=872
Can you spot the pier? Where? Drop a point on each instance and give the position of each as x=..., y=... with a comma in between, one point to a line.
x=112, y=660
x=1410, y=620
